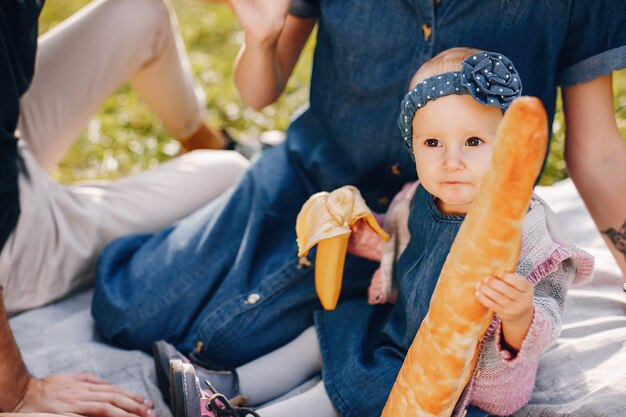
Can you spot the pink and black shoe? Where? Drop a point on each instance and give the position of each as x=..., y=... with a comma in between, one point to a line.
x=226, y=382
x=188, y=399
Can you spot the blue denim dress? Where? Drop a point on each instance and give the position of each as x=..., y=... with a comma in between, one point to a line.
x=363, y=346
x=228, y=275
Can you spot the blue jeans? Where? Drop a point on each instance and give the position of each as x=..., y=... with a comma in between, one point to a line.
x=227, y=276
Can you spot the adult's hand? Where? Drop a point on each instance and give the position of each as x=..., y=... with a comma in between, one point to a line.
x=262, y=20
x=82, y=394
x=273, y=41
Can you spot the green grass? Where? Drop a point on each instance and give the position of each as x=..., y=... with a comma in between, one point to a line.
x=125, y=137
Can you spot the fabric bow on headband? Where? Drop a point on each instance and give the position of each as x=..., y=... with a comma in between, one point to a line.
x=490, y=78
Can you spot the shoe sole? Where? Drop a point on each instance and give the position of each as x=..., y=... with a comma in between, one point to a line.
x=184, y=390
x=176, y=388
x=161, y=356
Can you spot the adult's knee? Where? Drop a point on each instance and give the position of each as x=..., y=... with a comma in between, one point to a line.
x=140, y=18
x=118, y=305
x=227, y=165
x=235, y=164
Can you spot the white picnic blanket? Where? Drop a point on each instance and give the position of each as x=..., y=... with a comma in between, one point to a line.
x=584, y=374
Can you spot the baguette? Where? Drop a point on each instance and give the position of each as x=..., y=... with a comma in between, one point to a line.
x=445, y=350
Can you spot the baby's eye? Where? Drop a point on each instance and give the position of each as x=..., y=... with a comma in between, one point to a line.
x=474, y=141
x=432, y=143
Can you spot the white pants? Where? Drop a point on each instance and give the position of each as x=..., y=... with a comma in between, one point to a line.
x=62, y=229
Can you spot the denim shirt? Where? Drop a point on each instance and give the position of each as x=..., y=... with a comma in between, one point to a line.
x=368, y=50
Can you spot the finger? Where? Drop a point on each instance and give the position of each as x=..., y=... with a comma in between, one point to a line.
x=88, y=377
x=120, y=401
x=502, y=287
x=114, y=389
x=493, y=294
x=102, y=409
x=517, y=281
x=486, y=301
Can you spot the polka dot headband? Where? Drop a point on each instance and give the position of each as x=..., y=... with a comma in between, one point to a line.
x=490, y=78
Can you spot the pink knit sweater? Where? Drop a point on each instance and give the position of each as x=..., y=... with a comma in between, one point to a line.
x=503, y=383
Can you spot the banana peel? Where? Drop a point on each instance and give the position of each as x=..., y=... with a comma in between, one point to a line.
x=325, y=220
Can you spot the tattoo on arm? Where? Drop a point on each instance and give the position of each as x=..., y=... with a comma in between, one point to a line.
x=618, y=237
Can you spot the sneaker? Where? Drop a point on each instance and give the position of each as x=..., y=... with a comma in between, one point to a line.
x=188, y=399
x=272, y=138
x=226, y=382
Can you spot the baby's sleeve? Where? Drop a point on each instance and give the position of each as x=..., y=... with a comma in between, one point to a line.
x=549, y=303
x=503, y=381
x=382, y=289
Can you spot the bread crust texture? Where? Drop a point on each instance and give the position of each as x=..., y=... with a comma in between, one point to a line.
x=445, y=350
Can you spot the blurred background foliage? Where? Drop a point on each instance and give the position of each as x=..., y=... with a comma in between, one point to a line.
x=124, y=136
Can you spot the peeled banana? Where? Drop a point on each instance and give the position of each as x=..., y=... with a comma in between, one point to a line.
x=325, y=220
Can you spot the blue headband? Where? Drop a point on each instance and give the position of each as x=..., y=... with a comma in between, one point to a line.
x=490, y=78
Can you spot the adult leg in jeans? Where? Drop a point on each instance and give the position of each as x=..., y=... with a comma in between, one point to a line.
x=227, y=276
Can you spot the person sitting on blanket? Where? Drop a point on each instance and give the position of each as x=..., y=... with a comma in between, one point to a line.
x=449, y=120
x=51, y=234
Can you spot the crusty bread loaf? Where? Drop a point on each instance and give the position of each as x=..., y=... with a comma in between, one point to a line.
x=445, y=350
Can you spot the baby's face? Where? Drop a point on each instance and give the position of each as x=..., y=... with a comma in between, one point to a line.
x=453, y=139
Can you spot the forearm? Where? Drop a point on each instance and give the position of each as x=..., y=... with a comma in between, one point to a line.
x=602, y=186
x=514, y=332
x=258, y=75
x=537, y=338
x=268, y=58
x=596, y=158
x=14, y=376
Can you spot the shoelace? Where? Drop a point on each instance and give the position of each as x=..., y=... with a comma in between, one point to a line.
x=220, y=406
